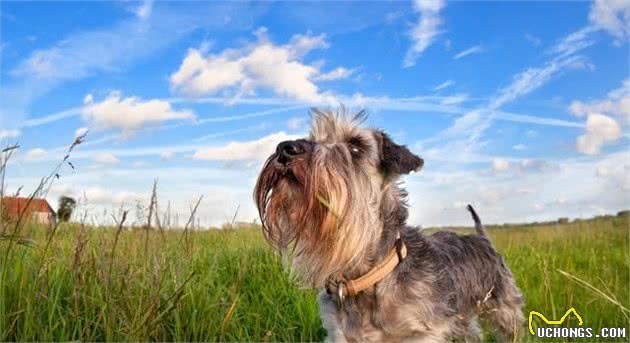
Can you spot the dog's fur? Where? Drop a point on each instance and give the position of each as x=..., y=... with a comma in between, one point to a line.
x=337, y=207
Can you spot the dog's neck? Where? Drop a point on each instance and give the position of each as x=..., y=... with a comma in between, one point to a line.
x=393, y=217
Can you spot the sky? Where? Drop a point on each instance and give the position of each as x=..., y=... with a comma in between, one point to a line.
x=520, y=108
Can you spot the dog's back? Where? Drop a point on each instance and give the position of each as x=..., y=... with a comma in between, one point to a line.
x=473, y=267
x=479, y=282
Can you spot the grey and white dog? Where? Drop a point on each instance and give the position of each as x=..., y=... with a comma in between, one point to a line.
x=334, y=203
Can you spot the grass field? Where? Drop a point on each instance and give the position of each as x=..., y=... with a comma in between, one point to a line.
x=96, y=284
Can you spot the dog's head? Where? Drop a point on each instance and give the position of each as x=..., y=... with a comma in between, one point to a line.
x=325, y=196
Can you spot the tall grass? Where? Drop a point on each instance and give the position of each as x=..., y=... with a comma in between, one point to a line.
x=110, y=283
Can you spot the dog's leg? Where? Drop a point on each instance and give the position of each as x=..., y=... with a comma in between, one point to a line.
x=507, y=321
x=506, y=316
x=472, y=333
x=466, y=329
x=425, y=338
x=506, y=313
x=437, y=334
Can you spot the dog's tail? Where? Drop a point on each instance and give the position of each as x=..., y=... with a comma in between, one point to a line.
x=478, y=225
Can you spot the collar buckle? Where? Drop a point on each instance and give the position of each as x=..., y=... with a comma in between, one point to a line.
x=340, y=293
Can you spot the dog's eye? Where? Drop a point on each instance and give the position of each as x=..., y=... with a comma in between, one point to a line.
x=355, y=145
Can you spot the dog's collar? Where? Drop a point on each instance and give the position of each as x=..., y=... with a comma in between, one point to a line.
x=342, y=288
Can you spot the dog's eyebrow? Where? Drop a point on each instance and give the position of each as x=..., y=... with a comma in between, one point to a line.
x=356, y=140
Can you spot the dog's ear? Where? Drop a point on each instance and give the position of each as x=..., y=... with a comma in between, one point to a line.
x=397, y=159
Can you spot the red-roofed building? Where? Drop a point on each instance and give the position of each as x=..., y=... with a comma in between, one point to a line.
x=33, y=210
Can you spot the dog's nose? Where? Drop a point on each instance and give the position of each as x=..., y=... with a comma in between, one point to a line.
x=287, y=150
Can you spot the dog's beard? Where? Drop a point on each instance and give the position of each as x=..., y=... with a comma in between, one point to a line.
x=319, y=213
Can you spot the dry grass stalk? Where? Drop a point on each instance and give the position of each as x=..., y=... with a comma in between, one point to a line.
x=158, y=308
x=609, y=297
x=80, y=245
x=120, y=225
x=228, y=315
x=40, y=191
x=152, y=202
x=46, y=247
x=234, y=216
x=234, y=293
x=191, y=220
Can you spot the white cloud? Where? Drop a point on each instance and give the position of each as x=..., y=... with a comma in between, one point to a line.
x=9, y=134
x=443, y=85
x=251, y=115
x=464, y=137
x=429, y=104
x=300, y=44
x=533, y=165
x=67, y=113
x=167, y=155
x=613, y=16
x=88, y=98
x=525, y=190
x=531, y=79
x=477, y=49
x=130, y=113
x=500, y=165
x=600, y=129
x=602, y=171
x=102, y=196
x=619, y=108
x=80, y=131
x=335, y=74
x=531, y=133
x=519, y=147
x=106, y=158
x=35, y=154
x=522, y=196
x=106, y=49
x=426, y=30
x=616, y=104
x=198, y=75
x=144, y=10
x=140, y=164
x=454, y=99
x=262, y=65
x=296, y=123
x=533, y=40
x=602, y=118
x=574, y=42
x=519, y=167
x=255, y=150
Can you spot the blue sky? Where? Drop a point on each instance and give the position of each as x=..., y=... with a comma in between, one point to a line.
x=521, y=108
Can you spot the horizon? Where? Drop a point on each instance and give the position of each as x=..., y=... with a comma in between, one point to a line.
x=525, y=116
x=176, y=225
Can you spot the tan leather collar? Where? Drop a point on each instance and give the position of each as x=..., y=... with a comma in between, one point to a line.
x=343, y=288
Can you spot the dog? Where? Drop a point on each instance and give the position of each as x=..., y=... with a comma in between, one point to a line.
x=334, y=204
